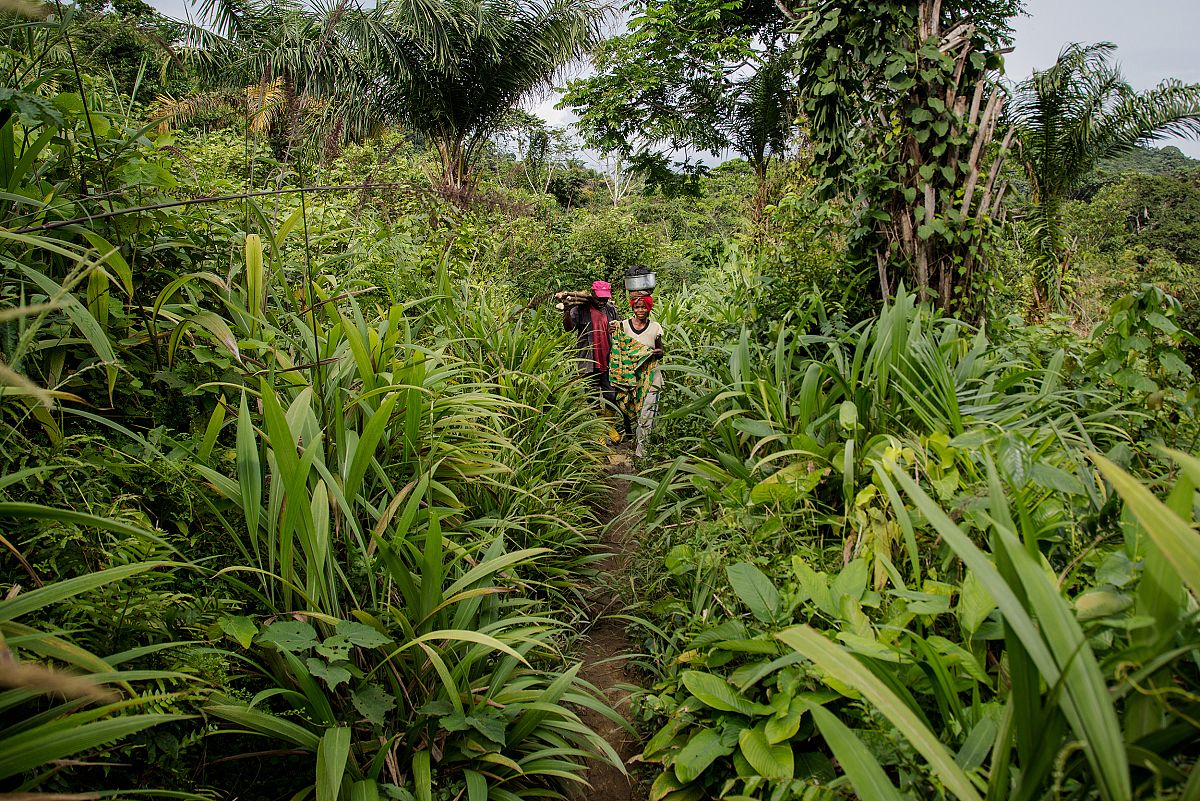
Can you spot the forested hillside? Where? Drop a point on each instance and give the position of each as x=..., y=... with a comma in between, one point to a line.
x=303, y=495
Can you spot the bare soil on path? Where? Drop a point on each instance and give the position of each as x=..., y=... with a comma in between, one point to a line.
x=606, y=649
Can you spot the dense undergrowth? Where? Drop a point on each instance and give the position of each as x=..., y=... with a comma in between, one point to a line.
x=1004, y=605
x=294, y=502
x=300, y=491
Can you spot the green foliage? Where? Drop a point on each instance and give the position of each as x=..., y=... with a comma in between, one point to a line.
x=62, y=701
x=1145, y=160
x=407, y=480
x=1069, y=117
x=313, y=468
x=1139, y=350
x=917, y=150
x=1148, y=210
x=496, y=55
x=673, y=81
x=811, y=493
x=130, y=43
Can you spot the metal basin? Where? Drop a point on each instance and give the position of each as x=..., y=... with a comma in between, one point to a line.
x=635, y=282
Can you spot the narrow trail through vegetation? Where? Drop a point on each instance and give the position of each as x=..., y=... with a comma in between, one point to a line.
x=606, y=648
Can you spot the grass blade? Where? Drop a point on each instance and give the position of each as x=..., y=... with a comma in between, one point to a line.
x=840, y=663
x=332, y=756
x=864, y=771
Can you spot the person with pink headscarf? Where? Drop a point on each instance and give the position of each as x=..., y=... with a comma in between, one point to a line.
x=590, y=321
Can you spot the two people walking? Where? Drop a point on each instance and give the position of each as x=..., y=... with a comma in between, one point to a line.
x=620, y=358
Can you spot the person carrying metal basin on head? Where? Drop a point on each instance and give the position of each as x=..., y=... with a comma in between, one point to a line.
x=639, y=281
x=635, y=369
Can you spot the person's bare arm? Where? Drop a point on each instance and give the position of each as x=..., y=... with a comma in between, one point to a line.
x=658, y=348
x=568, y=323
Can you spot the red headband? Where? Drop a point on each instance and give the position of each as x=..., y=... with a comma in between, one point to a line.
x=647, y=299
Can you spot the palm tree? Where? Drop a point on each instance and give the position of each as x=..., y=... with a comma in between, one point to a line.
x=500, y=53
x=1069, y=117
x=762, y=120
x=314, y=70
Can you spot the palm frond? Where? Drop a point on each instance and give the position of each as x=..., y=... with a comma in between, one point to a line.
x=1075, y=113
x=168, y=110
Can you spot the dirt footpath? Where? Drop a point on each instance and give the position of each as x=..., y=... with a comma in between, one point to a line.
x=605, y=649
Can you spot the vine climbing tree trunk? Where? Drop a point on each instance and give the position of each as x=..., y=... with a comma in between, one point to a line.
x=922, y=147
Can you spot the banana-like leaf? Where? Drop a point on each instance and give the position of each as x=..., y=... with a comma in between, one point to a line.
x=256, y=291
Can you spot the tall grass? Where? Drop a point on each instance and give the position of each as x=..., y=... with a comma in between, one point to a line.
x=807, y=421
x=401, y=496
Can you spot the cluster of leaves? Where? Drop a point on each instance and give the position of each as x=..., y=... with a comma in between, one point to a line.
x=916, y=148
x=300, y=512
x=840, y=450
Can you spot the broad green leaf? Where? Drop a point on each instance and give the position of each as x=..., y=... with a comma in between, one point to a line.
x=864, y=771
x=492, y=728
x=701, y=750
x=464, y=635
x=249, y=469
x=1053, y=478
x=477, y=786
x=784, y=725
x=289, y=635
x=240, y=628
x=975, y=603
x=755, y=428
x=844, y=666
x=111, y=255
x=851, y=581
x=1086, y=707
x=366, y=790
x=422, y=776
x=774, y=762
x=848, y=416
x=978, y=743
x=755, y=590
x=1178, y=541
x=332, y=674
x=666, y=785
x=1096, y=718
x=768, y=491
x=368, y=443
x=256, y=293
x=373, y=703
x=210, y=322
x=1099, y=603
x=286, y=227
x=361, y=634
x=715, y=692
x=335, y=648
x=215, y=423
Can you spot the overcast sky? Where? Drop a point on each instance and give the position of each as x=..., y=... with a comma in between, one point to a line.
x=1156, y=39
